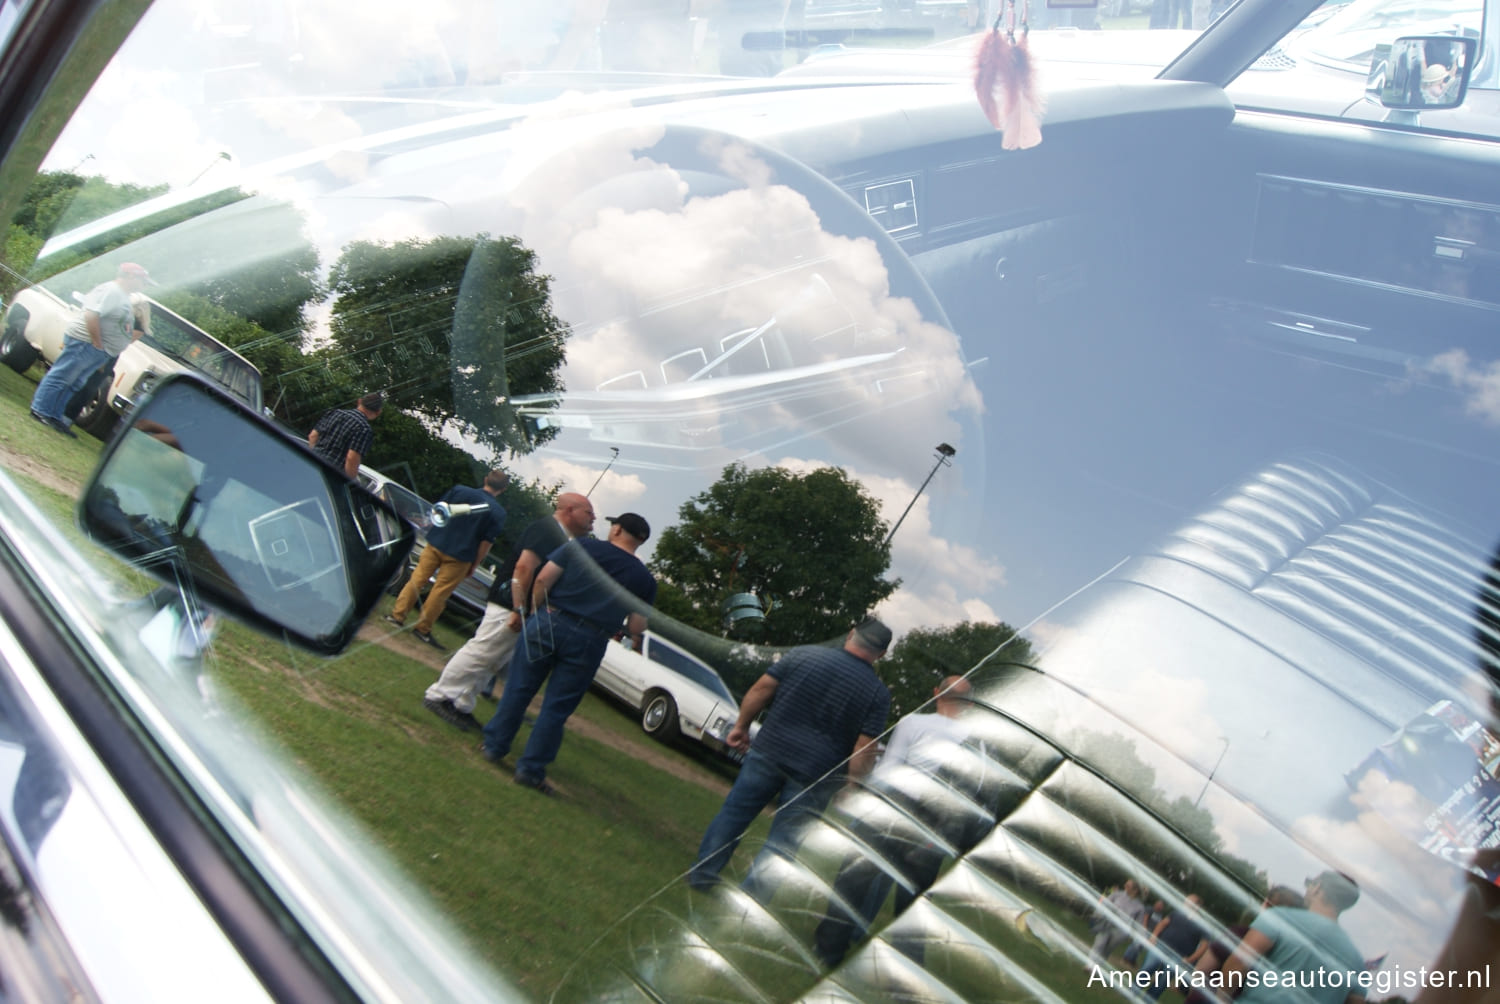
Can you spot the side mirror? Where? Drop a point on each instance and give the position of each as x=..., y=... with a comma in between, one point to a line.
x=199, y=485
x=1422, y=72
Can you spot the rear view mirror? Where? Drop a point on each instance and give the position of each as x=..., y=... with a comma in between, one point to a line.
x=199, y=485
x=1422, y=72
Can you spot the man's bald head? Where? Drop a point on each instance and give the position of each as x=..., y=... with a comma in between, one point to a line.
x=575, y=512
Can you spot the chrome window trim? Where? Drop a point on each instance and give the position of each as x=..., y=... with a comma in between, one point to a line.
x=131, y=919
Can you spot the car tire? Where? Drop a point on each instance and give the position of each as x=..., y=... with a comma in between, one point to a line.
x=96, y=417
x=94, y=414
x=15, y=351
x=659, y=716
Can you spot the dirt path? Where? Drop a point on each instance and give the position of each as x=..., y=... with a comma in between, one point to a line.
x=662, y=759
x=23, y=463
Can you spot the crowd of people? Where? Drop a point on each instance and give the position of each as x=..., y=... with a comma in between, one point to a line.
x=1185, y=951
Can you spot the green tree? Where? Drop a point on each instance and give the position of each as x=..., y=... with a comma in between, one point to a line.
x=923, y=657
x=248, y=255
x=812, y=544
x=452, y=329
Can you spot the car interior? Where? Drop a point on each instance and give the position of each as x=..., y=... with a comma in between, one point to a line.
x=1227, y=398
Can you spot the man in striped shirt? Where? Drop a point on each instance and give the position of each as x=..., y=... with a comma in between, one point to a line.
x=829, y=707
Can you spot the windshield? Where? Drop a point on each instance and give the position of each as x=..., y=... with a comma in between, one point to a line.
x=1350, y=34
x=186, y=344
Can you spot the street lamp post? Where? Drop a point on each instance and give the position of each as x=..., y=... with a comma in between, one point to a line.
x=944, y=456
x=607, y=466
x=1215, y=770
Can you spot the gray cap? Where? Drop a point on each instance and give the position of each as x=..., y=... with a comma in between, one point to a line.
x=873, y=635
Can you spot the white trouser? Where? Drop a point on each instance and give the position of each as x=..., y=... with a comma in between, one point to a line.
x=480, y=658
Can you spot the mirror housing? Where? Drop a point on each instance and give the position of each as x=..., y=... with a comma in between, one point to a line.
x=1422, y=72
x=266, y=532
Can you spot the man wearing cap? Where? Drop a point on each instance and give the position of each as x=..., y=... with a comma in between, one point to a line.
x=583, y=595
x=101, y=331
x=452, y=696
x=828, y=708
x=1297, y=945
x=343, y=436
x=452, y=552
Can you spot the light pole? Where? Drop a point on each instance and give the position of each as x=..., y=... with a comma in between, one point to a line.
x=944, y=457
x=1211, y=773
x=223, y=155
x=607, y=466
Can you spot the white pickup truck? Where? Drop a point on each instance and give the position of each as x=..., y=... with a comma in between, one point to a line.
x=33, y=328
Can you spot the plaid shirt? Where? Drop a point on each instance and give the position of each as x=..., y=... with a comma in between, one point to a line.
x=340, y=431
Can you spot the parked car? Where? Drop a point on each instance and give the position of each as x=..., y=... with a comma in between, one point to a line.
x=472, y=593
x=1220, y=389
x=33, y=328
x=674, y=692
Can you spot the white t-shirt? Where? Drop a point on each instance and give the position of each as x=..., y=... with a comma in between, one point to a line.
x=925, y=741
x=116, y=320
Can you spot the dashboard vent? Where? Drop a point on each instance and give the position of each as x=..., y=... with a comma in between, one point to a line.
x=893, y=205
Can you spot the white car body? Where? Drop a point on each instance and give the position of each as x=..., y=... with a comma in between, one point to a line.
x=670, y=687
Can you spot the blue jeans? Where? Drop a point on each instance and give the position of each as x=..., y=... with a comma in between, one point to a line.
x=75, y=364
x=549, y=646
x=760, y=782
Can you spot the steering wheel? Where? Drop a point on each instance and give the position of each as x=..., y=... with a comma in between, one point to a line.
x=569, y=191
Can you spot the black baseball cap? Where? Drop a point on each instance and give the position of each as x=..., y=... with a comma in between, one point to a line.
x=632, y=524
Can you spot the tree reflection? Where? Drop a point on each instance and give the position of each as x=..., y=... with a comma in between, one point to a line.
x=452, y=328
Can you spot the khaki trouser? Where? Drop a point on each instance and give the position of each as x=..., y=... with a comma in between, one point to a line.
x=450, y=572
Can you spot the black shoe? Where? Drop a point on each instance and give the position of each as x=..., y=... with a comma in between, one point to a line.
x=446, y=710
x=484, y=751
x=538, y=784
x=427, y=639
x=391, y=620
x=66, y=428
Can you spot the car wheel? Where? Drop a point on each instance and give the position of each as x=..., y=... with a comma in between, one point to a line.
x=15, y=351
x=95, y=416
x=659, y=717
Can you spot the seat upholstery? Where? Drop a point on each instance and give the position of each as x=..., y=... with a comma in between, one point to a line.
x=1189, y=723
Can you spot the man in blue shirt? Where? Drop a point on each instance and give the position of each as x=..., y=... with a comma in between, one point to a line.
x=829, y=707
x=1301, y=955
x=452, y=553
x=580, y=599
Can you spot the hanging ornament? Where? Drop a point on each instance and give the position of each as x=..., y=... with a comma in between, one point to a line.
x=1005, y=80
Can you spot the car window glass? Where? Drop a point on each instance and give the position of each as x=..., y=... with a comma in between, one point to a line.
x=689, y=667
x=1197, y=488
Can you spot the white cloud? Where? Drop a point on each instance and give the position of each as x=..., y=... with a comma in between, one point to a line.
x=1479, y=382
x=617, y=489
x=943, y=582
x=661, y=282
